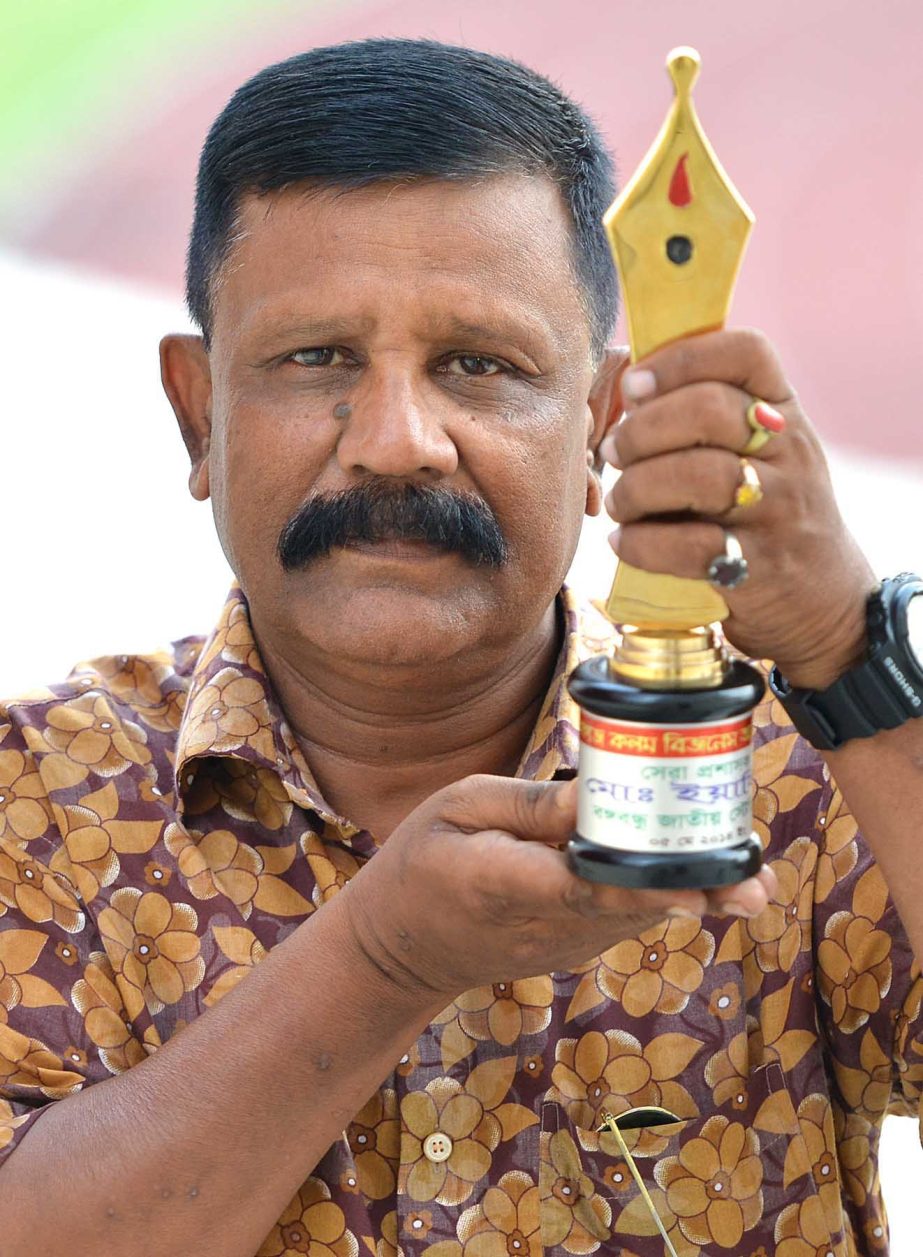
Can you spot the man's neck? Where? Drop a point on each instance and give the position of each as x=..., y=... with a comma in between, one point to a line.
x=379, y=742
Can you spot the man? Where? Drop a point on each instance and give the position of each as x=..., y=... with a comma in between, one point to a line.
x=305, y=877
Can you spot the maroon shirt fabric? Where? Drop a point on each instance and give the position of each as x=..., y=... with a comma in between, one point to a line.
x=160, y=831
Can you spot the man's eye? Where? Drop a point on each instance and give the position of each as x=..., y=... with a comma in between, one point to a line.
x=472, y=364
x=326, y=356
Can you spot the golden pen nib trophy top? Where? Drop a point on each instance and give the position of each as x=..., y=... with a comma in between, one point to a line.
x=678, y=233
x=666, y=722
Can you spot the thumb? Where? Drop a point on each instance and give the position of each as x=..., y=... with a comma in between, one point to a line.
x=541, y=811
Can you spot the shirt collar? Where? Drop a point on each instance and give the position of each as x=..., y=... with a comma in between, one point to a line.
x=232, y=711
x=553, y=747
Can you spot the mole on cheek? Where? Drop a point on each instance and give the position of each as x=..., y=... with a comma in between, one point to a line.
x=342, y=410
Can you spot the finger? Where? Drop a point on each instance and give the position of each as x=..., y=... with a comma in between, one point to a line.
x=747, y=899
x=674, y=549
x=695, y=481
x=709, y=414
x=528, y=880
x=542, y=811
x=741, y=357
x=523, y=881
x=605, y=400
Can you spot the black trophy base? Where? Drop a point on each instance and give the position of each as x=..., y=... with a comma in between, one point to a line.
x=648, y=870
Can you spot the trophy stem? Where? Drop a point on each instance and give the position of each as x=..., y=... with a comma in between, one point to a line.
x=670, y=659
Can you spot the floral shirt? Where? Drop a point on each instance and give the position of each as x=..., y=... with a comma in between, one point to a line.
x=160, y=831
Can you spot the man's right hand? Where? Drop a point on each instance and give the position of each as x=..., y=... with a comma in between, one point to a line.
x=474, y=888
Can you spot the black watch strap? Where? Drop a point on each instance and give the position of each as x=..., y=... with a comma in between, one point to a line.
x=857, y=705
x=882, y=692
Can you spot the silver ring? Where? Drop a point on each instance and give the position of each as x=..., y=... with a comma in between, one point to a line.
x=730, y=569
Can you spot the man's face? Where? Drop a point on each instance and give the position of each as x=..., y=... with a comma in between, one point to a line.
x=425, y=334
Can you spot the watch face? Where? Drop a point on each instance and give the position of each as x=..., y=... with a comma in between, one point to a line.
x=915, y=629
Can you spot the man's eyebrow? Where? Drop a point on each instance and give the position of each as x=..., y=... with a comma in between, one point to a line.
x=525, y=333
x=307, y=331
x=289, y=327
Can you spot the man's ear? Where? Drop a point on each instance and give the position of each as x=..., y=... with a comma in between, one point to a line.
x=605, y=408
x=187, y=382
x=605, y=400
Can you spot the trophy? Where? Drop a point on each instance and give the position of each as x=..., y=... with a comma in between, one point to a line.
x=666, y=721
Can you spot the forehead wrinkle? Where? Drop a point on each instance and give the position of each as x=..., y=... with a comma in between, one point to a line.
x=383, y=247
x=417, y=226
x=292, y=322
x=529, y=330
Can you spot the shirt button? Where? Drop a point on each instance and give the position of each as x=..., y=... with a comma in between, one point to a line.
x=437, y=1147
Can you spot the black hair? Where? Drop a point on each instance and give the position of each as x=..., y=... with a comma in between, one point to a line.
x=380, y=109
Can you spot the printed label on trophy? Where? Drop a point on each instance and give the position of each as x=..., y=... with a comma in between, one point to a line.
x=665, y=788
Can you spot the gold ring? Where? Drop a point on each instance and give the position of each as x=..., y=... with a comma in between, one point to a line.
x=749, y=491
x=764, y=421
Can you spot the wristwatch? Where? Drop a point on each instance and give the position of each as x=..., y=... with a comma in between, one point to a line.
x=883, y=691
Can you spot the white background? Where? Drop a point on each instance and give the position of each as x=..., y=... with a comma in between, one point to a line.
x=104, y=552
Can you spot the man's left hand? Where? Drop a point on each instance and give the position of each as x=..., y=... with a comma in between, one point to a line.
x=679, y=446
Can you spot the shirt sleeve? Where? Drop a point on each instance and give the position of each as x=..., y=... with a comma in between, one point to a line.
x=60, y=1012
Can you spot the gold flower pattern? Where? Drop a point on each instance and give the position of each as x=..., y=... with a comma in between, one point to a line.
x=506, y=1011
x=713, y=1186
x=507, y=1222
x=727, y=1073
x=375, y=1139
x=854, y=955
x=818, y=1138
x=474, y=1118
x=783, y=930
x=330, y=864
x=612, y=1071
x=8, y=1123
x=19, y=952
x=160, y=832
x=154, y=948
x=24, y=810
x=36, y=893
x=312, y=1224
x=96, y=997
x=802, y=1231
x=244, y=949
x=216, y=863
x=228, y=713
x=659, y=970
x=575, y=1215
x=86, y=735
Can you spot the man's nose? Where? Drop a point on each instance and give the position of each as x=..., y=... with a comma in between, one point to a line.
x=390, y=430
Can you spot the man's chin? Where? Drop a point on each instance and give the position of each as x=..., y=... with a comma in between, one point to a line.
x=392, y=616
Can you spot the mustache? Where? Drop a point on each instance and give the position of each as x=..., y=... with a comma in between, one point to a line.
x=375, y=511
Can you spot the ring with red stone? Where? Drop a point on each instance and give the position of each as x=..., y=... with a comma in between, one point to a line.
x=764, y=421
x=730, y=569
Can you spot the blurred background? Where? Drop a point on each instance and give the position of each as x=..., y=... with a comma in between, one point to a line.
x=815, y=110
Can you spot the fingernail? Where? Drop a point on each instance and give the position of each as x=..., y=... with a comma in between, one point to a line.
x=681, y=912
x=614, y=538
x=768, y=417
x=565, y=796
x=638, y=384
x=608, y=451
x=768, y=878
x=735, y=909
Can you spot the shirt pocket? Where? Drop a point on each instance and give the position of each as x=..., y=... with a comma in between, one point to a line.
x=735, y=1185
